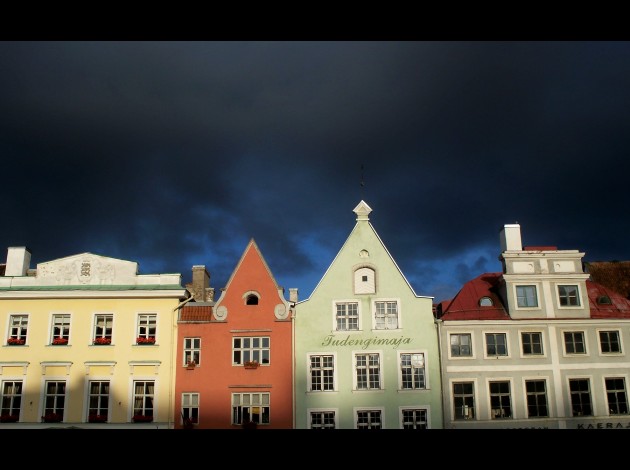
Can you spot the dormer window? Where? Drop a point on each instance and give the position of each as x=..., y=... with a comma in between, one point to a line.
x=365, y=281
x=486, y=302
x=604, y=300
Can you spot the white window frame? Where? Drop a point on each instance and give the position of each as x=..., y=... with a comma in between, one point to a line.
x=347, y=301
x=578, y=296
x=507, y=354
x=360, y=286
x=311, y=411
x=11, y=397
x=45, y=395
x=190, y=406
x=386, y=315
x=89, y=395
x=424, y=366
x=21, y=327
x=309, y=378
x=548, y=397
x=565, y=353
x=521, y=344
x=154, y=395
x=381, y=371
x=472, y=345
x=62, y=320
x=261, y=395
x=619, y=339
x=605, y=389
x=425, y=408
x=108, y=331
x=475, y=398
x=144, y=322
x=260, y=354
x=536, y=291
x=369, y=409
x=511, y=396
x=589, y=379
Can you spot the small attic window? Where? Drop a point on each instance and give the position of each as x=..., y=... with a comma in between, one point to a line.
x=604, y=299
x=251, y=299
x=486, y=302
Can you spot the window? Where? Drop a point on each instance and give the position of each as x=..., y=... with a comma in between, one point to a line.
x=98, y=401
x=500, y=402
x=536, y=398
x=250, y=348
x=496, y=344
x=461, y=345
x=143, y=397
x=580, y=397
x=192, y=350
x=464, y=400
x=414, y=419
x=347, y=316
x=609, y=341
x=369, y=419
x=486, y=302
x=412, y=371
x=103, y=327
x=18, y=325
x=322, y=372
x=147, y=328
x=54, y=401
x=368, y=370
x=60, y=329
x=617, y=397
x=10, y=401
x=574, y=342
x=322, y=420
x=604, y=300
x=386, y=315
x=569, y=296
x=250, y=408
x=526, y=296
x=251, y=299
x=190, y=408
x=365, y=281
x=532, y=344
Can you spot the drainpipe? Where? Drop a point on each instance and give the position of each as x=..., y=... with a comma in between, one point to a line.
x=438, y=324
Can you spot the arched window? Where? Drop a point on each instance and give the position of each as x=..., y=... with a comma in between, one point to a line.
x=251, y=299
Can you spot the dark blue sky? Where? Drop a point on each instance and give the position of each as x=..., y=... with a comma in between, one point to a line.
x=174, y=154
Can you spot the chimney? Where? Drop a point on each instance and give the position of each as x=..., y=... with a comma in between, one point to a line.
x=200, y=281
x=18, y=261
x=510, y=237
x=293, y=294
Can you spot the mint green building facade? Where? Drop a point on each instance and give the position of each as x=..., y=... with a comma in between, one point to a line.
x=366, y=346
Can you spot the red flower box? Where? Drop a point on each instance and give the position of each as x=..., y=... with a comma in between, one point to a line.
x=97, y=418
x=7, y=418
x=102, y=340
x=142, y=419
x=16, y=341
x=145, y=340
x=59, y=341
x=53, y=417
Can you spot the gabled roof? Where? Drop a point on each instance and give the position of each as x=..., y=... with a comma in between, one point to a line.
x=251, y=246
x=465, y=305
x=614, y=275
x=192, y=312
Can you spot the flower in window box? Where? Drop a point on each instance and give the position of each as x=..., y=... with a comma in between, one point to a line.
x=145, y=340
x=52, y=417
x=102, y=340
x=94, y=418
x=191, y=365
x=251, y=364
x=7, y=418
x=142, y=419
x=16, y=341
x=60, y=341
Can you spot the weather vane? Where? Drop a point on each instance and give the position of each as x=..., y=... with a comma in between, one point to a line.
x=362, y=183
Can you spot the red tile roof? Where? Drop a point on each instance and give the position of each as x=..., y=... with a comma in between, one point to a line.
x=192, y=312
x=619, y=306
x=465, y=305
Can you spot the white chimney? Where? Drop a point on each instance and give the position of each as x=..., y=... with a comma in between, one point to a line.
x=510, y=237
x=18, y=261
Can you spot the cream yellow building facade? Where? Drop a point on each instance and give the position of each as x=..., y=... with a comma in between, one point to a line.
x=88, y=342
